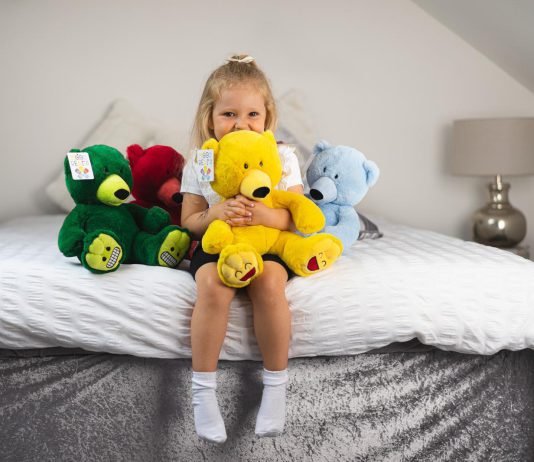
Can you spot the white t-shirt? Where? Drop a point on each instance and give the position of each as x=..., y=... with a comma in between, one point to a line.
x=290, y=176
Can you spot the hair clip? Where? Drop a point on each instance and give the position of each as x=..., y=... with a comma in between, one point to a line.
x=247, y=59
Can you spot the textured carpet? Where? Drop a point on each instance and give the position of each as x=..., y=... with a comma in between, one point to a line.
x=426, y=406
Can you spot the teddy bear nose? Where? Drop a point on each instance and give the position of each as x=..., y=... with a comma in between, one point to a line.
x=316, y=194
x=121, y=194
x=261, y=192
x=178, y=198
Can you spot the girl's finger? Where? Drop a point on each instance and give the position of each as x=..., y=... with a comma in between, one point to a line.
x=238, y=221
x=233, y=224
x=232, y=212
x=236, y=203
x=244, y=200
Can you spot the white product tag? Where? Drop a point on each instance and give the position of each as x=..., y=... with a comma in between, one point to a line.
x=204, y=165
x=80, y=166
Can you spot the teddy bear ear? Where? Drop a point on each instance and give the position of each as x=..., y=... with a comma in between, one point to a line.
x=321, y=146
x=212, y=143
x=134, y=153
x=269, y=135
x=372, y=172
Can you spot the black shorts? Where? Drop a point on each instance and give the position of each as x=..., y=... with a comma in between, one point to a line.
x=200, y=258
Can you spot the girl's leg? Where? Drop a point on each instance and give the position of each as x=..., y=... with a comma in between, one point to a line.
x=272, y=326
x=208, y=328
x=272, y=319
x=210, y=317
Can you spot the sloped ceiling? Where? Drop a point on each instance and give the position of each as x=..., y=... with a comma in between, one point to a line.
x=503, y=30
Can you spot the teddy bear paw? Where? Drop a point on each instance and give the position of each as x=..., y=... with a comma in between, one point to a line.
x=156, y=219
x=323, y=252
x=174, y=248
x=239, y=265
x=217, y=237
x=104, y=253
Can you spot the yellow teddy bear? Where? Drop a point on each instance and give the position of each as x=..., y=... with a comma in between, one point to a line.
x=248, y=163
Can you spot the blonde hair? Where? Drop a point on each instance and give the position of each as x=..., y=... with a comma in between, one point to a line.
x=240, y=69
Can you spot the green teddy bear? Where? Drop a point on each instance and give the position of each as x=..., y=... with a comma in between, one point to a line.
x=101, y=230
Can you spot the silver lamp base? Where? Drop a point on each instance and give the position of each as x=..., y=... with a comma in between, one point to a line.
x=498, y=223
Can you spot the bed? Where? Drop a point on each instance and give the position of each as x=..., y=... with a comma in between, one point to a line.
x=415, y=346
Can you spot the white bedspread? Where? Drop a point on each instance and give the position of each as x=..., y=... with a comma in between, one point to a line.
x=452, y=294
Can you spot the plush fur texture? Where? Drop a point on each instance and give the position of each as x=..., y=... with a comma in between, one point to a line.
x=157, y=178
x=248, y=163
x=339, y=178
x=103, y=232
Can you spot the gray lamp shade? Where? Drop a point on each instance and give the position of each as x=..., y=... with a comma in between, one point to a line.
x=493, y=147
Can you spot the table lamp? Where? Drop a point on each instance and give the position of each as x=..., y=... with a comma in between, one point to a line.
x=496, y=148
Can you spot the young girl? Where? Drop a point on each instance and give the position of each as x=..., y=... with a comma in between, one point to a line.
x=237, y=96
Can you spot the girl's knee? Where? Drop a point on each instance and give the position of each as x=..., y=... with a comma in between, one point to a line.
x=210, y=287
x=272, y=283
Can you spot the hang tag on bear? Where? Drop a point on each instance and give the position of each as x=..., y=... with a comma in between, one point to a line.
x=80, y=166
x=204, y=165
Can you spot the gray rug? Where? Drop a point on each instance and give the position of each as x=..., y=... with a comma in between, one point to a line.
x=426, y=406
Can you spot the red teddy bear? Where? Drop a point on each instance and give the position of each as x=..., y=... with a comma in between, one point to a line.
x=157, y=178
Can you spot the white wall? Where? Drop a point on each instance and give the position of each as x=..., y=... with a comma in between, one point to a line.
x=383, y=76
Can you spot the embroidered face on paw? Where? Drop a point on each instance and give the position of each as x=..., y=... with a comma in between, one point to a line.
x=241, y=107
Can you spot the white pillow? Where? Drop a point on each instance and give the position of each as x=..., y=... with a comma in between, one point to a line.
x=168, y=135
x=295, y=127
x=121, y=126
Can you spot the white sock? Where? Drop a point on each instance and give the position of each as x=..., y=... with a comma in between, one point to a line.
x=208, y=420
x=272, y=414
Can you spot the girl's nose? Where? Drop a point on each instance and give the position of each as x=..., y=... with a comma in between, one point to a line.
x=240, y=124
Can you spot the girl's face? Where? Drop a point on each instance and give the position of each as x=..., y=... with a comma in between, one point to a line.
x=239, y=108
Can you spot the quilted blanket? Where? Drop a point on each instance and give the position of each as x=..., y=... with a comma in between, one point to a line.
x=411, y=283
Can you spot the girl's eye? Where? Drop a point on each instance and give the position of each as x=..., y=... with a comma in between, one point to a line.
x=246, y=165
x=229, y=114
x=261, y=163
x=254, y=114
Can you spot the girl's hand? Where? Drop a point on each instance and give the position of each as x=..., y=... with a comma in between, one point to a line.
x=234, y=212
x=261, y=215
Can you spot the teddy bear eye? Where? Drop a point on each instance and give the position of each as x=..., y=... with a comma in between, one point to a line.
x=324, y=170
x=261, y=163
x=246, y=165
x=106, y=170
x=336, y=177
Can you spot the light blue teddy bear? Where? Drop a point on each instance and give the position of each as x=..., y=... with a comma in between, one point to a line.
x=339, y=177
